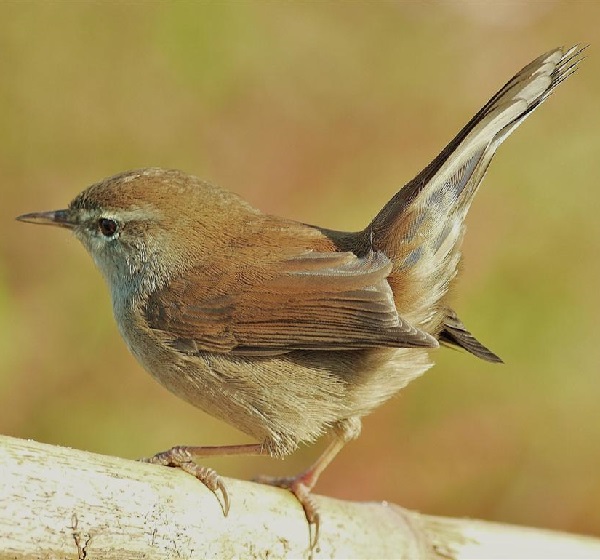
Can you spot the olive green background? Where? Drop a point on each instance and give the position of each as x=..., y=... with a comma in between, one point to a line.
x=319, y=112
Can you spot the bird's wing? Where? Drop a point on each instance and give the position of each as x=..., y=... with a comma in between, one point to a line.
x=310, y=301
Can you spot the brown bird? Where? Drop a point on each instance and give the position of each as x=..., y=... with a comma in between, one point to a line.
x=289, y=331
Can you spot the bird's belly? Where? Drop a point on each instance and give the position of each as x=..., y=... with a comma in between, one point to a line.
x=280, y=400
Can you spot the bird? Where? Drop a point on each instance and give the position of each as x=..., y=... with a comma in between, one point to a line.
x=285, y=330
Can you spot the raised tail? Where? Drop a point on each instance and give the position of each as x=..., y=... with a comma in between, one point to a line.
x=421, y=227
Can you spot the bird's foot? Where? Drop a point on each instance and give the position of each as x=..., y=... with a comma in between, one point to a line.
x=180, y=457
x=300, y=486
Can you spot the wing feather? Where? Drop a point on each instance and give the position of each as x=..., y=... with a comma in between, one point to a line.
x=315, y=301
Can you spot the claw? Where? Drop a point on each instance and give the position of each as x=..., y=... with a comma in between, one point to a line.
x=298, y=487
x=180, y=458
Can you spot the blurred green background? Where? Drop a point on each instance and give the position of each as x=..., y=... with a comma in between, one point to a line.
x=319, y=112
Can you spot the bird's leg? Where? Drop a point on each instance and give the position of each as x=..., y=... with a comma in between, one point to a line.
x=183, y=457
x=302, y=484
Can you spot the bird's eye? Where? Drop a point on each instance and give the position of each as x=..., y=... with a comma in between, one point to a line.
x=107, y=227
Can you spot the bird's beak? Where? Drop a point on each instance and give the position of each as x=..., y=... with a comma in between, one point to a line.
x=60, y=218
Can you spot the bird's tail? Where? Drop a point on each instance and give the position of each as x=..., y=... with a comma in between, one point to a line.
x=421, y=227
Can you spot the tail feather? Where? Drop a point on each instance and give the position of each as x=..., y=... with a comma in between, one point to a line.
x=422, y=226
x=454, y=333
